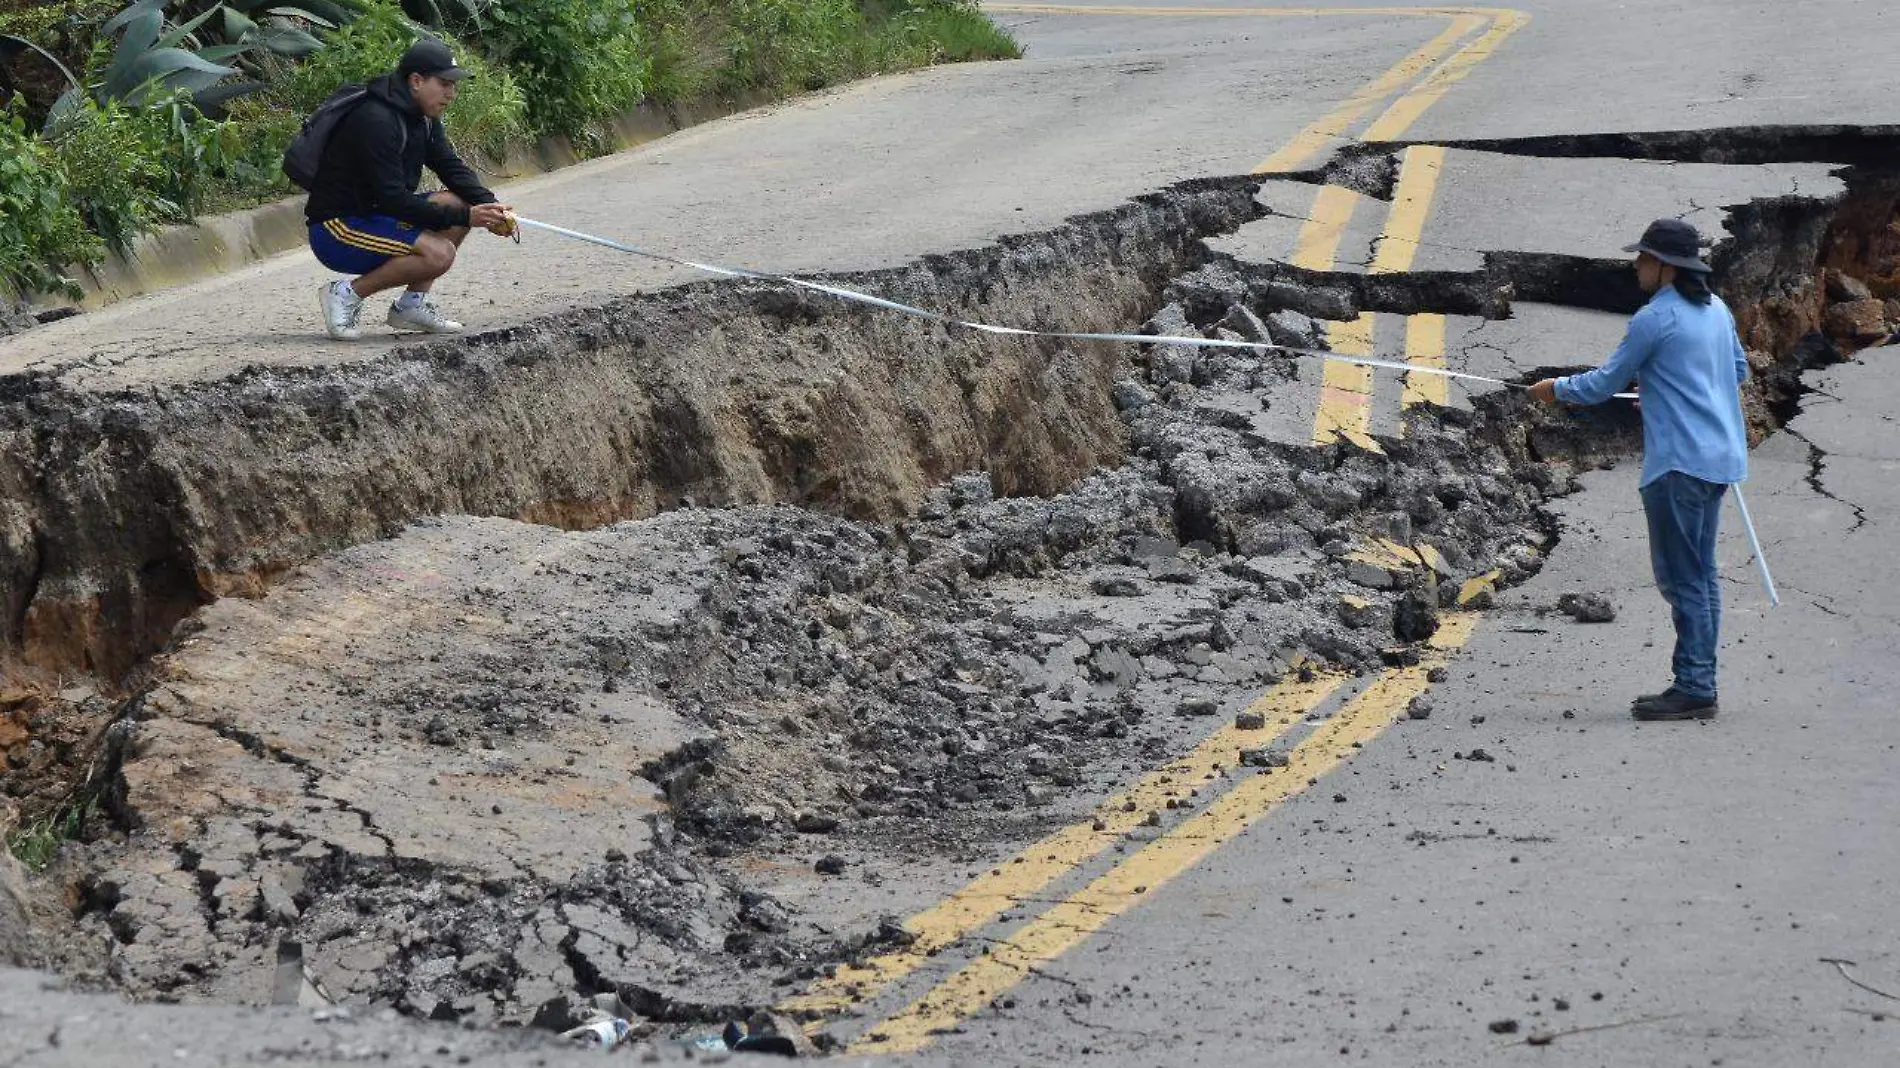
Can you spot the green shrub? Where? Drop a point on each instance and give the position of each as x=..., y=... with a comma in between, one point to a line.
x=36, y=844
x=490, y=109
x=742, y=47
x=579, y=61
x=131, y=168
x=949, y=31
x=40, y=227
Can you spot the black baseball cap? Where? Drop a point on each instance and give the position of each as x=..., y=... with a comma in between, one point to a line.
x=431, y=59
x=1674, y=242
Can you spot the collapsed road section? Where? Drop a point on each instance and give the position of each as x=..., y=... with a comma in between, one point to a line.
x=124, y=511
x=544, y=724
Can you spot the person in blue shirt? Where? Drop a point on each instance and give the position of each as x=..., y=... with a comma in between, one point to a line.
x=1683, y=353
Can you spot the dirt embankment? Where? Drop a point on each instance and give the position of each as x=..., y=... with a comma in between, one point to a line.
x=121, y=513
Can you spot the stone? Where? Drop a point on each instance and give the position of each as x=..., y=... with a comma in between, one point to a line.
x=1357, y=612
x=1174, y=570
x=1197, y=706
x=1370, y=575
x=1130, y=396
x=815, y=823
x=1293, y=330
x=789, y=1039
x=1415, y=617
x=1149, y=548
x=1264, y=757
x=1420, y=708
x=1174, y=363
x=1249, y=721
x=1324, y=302
x=1856, y=320
x=1587, y=607
x=1115, y=586
x=1242, y=321
x=1843, y=288
x=1112, y=663
x=829, y=864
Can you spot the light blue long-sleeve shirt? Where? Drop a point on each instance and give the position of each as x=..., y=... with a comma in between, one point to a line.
x=1689, y=366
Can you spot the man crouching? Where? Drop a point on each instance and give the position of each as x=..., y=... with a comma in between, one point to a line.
x=365, y=216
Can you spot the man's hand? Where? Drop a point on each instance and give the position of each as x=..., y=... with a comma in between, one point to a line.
x=1545, y=391
x=491, y=217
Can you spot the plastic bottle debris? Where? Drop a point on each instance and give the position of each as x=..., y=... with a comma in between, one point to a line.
x=606, y=1033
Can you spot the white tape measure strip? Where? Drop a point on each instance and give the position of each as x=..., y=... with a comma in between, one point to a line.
x=1768, y=581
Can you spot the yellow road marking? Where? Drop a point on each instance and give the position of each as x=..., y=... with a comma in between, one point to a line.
x=1318, y=243
x=1345, y=392
x=1398, y=248
x=1411, y=203
x=1477, y=587
x=990, y=895
x=1406, y=110
x=1332, y=126
x=1344, y=387
x=1425, y=346
x=1345, y=401
x=987, y=897
x=1069, y=922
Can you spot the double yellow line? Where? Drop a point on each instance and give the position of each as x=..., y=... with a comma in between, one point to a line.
x=1345, y=404
x=1065, y=924
x=1081, y=914
x=1027, y=873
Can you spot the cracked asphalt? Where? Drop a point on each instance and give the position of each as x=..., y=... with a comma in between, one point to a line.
x=1591, y=891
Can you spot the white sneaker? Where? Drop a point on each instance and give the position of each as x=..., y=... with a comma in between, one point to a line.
x=341, y=308
x=422, y=319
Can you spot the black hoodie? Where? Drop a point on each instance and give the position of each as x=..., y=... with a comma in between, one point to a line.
x=374, y=159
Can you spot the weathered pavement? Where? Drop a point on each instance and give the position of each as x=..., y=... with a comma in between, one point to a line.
x=1678, y=885
x=1693, y=877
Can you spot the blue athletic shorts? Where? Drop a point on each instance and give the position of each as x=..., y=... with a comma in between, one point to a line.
x=358, y=244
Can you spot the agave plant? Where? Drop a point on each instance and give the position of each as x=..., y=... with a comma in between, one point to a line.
x=276, y=26
x=150, y=58
x=155, y=57
x=447, y=14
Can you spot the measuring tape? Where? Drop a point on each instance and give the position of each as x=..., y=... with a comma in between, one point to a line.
x=517, y=222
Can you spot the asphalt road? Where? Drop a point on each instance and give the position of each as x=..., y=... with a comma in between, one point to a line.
x=1623, y=894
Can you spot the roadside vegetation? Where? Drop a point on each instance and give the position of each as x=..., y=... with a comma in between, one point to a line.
x=36, y=844
x=117, y=119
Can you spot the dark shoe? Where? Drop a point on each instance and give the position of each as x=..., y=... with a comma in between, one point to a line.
x=1673, y=704
x=1652, y=698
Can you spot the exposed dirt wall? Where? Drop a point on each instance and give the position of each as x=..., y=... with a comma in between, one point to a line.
x=123, y=512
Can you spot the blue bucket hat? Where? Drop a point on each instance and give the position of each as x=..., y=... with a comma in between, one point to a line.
x=1673, y=242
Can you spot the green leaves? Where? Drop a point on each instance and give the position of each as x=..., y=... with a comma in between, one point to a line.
x=43, y=228
x=148, y=61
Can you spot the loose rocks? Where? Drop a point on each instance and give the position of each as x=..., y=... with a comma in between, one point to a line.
x=1587, y=607
x=1415, y=617
x=1198, y=706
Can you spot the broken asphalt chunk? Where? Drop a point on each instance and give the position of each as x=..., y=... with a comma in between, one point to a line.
x=1587, y=607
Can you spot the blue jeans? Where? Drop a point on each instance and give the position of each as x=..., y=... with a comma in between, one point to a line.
x=1683, y=513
